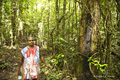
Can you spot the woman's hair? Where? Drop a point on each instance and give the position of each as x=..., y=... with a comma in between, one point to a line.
x=30, y=38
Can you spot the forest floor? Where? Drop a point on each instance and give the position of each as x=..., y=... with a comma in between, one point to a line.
x=9, y=63
x=9, y=59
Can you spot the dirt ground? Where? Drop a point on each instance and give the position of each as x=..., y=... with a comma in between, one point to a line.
x=10, y=57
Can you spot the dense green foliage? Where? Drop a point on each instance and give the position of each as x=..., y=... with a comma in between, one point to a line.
x=55, y=25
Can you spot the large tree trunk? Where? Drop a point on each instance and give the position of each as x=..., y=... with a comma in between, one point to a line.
x=95, y=25
x=82, y=37
x=88, y=33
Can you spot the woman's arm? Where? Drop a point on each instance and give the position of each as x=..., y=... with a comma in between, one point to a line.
x=20, y=64
x=42, y=59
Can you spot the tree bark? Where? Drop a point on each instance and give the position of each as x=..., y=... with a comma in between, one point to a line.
x=95, y=24
x=88, y=33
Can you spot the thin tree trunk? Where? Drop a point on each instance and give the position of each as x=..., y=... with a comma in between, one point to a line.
x=69, y=22
x=20, y=21
x=13, y=21
x=72, y=23
x=79, y=29
x=118, y=13
x=48, y=43
x=76, y=21
x=57, y=25
x=57, y=18
x=64, y=11
x=108, y=39
x=1, y=29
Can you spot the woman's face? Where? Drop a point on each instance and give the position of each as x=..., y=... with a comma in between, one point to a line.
x=30, y=41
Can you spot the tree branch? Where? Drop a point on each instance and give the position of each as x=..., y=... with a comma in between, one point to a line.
x=59, y=21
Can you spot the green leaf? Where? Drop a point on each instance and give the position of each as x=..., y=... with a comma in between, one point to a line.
x=62, y=55
x=90, y=59
x=63, y=40
x=102, y=70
